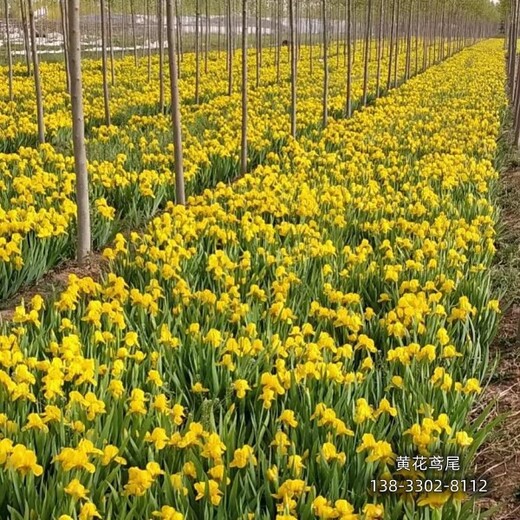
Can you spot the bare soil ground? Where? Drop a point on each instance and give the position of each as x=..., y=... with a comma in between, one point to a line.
x=53, y=281
x=499, y=459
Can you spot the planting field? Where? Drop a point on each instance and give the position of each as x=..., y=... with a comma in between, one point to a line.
x=308, y=333
x=273, y=346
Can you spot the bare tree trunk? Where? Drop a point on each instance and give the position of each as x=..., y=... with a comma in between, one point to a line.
x=160, y=37
x=104, y=64
x=9, y=55
x=354, y=30
x=367, y=48
x=257, y=38
x=123, y=29
x=148, y=38
x=338, y=38
x=325, y=118
x=279, y=39
x=134, y=38
x=175, y=108
x=392, y=38
x=243, y=151
x=311, y=29
x=63, y=16
x=379, y=47
x=180, y=50
x=37, y=79
x=397, y=41
x=206, y=44
x=260, y=38
x=230, y=49
x=427, y=22
x=417, y=31
x=219, y=33
x=112, y=75
x=294, y=69
x=408, y=44
x=84, y=244
x=349, y=59
x=26, y=43
x=197, y=52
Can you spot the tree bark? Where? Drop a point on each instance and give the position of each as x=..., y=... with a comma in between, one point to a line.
x=391, y=56
x=243, y=151
x=37, y=78
x=111, y=44
x=367, y=51
x=148, y=38
x=134, y=37
x=349, y=60
x=106, y=98
x=206, y=44
x=160, y=35
x=294, y=69
x=230, y=50
x=197, y=52
x=9, y=55
x=175, y=109
x=397, y=42
x=63, y=16
x=84, y=244
x=26, y=42
x=379, y=48
x=325, y=117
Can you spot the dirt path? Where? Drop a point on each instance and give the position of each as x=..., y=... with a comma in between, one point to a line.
x=499, y=460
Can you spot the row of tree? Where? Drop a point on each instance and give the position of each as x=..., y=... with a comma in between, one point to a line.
x=437, y=28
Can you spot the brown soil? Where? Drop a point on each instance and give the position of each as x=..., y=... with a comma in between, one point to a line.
x=54, y=280
x=499, y=459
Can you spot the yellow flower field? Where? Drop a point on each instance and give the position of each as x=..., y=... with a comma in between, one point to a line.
x=131, y=161
x=274, y=347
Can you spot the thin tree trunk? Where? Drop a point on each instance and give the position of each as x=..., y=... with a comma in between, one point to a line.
x=175, y=109
x=180, y=50
x=260, y=38
x=37, y=79
x=134, y=37
x=160, y=35
x=9, y=55
x=325, y=118
x=219, y=33
x=112, y=75
x=104, y=64
x=408, y=62
x=294, y=69
x=257, y=38
x=26, y=42
x=243, y=151
x=354, y=19
x=84, y=244
x=367, y=47
x=63, y=16
x=197, y=52
x=397, y=41
x=206, y=44
x=230, y=50
x=417, y=31
x=392, y=38
x=279, y=40
x=123, y=30
x=349, y=59
x=148, y=38
x=338, y=38
x=379, y=47
x=311, y=29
